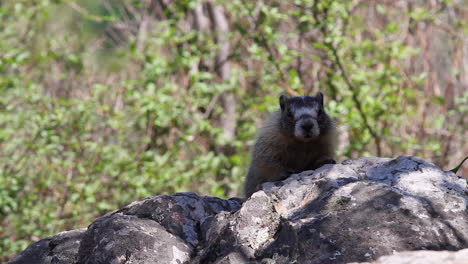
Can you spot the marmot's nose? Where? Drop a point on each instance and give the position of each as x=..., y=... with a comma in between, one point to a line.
x=307, y=126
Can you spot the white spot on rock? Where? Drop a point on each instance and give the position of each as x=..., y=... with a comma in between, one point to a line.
x=179, y=256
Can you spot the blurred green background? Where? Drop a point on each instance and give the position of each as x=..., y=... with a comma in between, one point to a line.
x=103, y=102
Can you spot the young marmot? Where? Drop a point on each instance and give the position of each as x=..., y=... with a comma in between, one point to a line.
x=298, y=137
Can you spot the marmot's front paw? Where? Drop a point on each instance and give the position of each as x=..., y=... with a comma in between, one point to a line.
x=320, y=163
x=290, y=172
x=328, y=161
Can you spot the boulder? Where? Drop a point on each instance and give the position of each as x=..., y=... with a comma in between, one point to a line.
x=356, y=211
x=59, y=249
x=423, y=257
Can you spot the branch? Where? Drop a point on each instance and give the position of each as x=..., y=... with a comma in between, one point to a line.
x=272, y=58
x=355, y=98
x=336, y=60
x=84, y=12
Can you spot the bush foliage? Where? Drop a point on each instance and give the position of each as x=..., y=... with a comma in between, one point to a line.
x=106, y=102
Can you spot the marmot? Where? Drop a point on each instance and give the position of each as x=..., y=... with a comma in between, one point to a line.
x=299, y=136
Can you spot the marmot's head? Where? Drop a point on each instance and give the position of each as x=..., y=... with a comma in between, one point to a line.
x=304, y=117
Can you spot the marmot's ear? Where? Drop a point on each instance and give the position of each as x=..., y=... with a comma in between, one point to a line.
x=319, y=96
x=282, y=101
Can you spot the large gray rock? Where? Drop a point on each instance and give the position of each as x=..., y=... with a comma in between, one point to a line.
x=423, y=257
x=59, y=249
x=356, y=211
x=158, y=229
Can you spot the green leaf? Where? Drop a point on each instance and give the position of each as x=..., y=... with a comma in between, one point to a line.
x=455, y=170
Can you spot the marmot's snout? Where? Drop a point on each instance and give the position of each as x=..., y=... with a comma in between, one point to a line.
x=306, y=129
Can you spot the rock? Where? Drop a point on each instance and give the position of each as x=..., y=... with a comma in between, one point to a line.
x=158, y=229
x=423, y=257
x=59, y=249
x=161, y=229
x=356, y=211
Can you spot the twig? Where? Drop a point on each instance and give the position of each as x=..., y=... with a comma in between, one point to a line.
x=354, y=91
x=271, y=57
x=84, y=12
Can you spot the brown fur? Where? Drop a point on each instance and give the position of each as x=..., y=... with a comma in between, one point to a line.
x=277, y=154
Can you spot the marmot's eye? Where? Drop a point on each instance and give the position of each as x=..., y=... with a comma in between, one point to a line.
x=320, y=112
x=289, y=114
